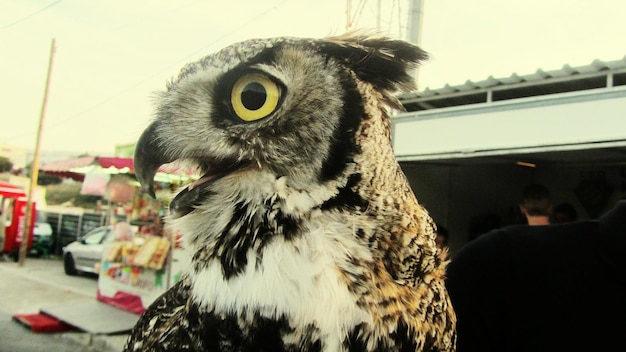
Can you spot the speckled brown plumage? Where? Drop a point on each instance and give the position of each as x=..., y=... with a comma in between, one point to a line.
x=305, y=233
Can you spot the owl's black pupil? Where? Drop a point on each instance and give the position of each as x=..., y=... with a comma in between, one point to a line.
x=253, y=96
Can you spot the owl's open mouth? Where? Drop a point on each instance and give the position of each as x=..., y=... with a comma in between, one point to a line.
x=195, y=193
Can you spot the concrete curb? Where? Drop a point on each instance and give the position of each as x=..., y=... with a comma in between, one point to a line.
x=99, y=343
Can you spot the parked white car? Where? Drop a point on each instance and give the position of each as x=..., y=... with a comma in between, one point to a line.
x=84, y=255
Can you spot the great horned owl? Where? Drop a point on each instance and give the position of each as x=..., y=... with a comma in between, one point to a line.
x=305, y=233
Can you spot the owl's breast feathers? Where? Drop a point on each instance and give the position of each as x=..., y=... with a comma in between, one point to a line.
x=305, y=232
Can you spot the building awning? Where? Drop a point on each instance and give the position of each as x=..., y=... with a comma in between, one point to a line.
x=76, y=168
x=572, y=112
x=576, y=121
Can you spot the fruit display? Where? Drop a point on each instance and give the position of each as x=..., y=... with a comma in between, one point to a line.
x=150, y=253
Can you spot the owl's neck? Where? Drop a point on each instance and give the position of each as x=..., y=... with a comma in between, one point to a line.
x=278, y=255
x=249, y=210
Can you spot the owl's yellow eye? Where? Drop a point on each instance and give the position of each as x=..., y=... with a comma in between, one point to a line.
x=254, y=96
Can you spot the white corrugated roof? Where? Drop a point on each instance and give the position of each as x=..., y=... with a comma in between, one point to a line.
x=597, y=68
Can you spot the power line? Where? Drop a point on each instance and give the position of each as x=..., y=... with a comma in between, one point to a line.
x=244, y=25
x=103, y=102
x=128, y=88
x=29, y=16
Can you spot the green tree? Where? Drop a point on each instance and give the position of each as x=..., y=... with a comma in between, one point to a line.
x=43, y=179
x=5, y=164
x=69, y=193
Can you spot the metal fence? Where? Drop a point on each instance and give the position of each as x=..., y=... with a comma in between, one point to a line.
x=68, y=228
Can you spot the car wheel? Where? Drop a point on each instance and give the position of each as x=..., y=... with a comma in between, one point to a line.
x=68, y=265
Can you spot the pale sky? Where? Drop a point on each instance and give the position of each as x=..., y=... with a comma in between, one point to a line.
x=111, y=56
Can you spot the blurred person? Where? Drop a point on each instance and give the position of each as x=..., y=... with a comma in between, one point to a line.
x=536, y=206
x=122, y=231
x=543, y=288
x=442, y=236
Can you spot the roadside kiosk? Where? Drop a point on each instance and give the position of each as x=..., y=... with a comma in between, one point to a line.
x=13, y=219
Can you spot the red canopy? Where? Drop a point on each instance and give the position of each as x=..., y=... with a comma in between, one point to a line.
x=75, y=168
x=118, y=163
x=8, y=190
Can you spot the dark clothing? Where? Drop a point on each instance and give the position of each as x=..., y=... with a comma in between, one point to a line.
x=543, y=288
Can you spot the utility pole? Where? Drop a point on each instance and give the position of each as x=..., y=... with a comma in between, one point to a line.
x=414, y=35
x=348, y=15
x=34, y=170
x=378, y=8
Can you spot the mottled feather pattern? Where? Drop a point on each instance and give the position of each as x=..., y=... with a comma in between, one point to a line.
x=305, y=233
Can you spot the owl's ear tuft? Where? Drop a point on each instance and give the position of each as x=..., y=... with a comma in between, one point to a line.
x=384, y=62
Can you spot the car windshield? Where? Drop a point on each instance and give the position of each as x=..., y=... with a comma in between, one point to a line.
x=95, y=237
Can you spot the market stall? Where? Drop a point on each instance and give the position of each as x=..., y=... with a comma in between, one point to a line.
x=143, y=258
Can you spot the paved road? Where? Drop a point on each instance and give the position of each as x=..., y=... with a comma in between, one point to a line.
x=42, y=282
x=16, y=338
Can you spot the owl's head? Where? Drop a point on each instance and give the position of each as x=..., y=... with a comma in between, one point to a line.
x=288, y=106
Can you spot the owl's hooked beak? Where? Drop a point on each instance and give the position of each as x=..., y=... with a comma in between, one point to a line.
x=148, y=158
x=150, y=155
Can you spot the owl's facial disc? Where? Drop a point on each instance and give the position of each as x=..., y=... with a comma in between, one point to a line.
x=251, y=96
